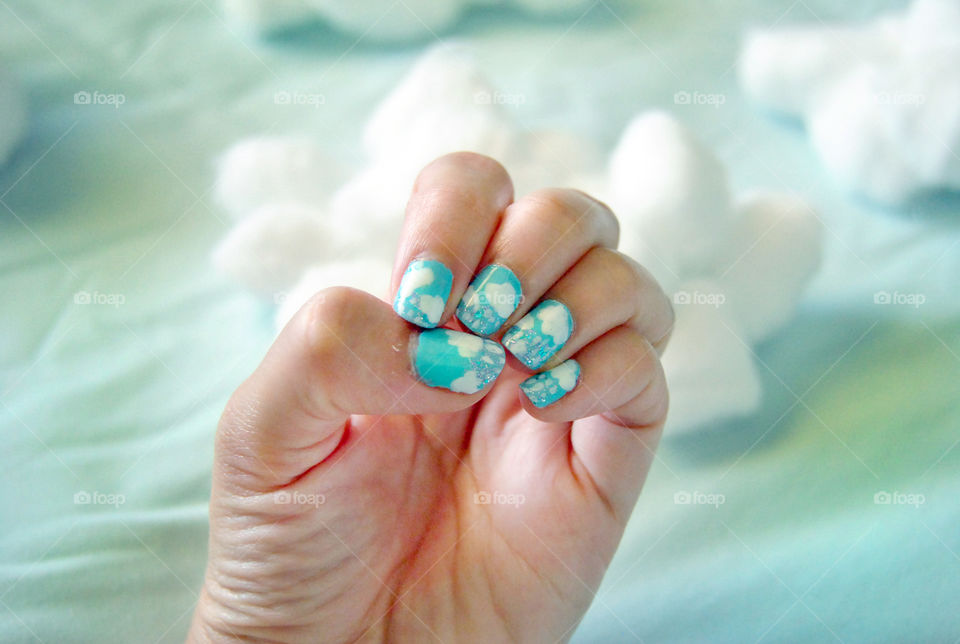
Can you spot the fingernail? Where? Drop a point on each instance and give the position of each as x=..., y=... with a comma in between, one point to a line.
x=423, y=292
x=540, y=333
x=457, y=361
x=489, y=300
x=550, y=386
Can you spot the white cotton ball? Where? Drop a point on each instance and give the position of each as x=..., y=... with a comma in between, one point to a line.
x=266, y=15
x=775, y=252
x=262, y=170
x=789, y=69
x=890, y=132
x=268, y=251
x=368, y=274
x=708, y=364
x=545, y=158
x=14, y=110
x=444, y=104
x=932, y=26
x=881, y=100
x=671, y=194
x=372, y=204
x=410, y=19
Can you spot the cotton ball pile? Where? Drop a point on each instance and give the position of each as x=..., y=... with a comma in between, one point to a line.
x=379, y=19
x=14, y=110
x=735, y=267
x=302, y=227
x=881, y=100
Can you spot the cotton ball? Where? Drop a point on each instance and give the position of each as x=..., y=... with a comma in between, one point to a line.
x=266, y=15
x=442, y=105
x=932, y=26
x=550, y=158
x=881, y=100
x=14, y=111
x=261, y=170
x=373, y=202
x=267, y=251
x=672, y=195
x=890, y=133
x=773, y=255
x=368, y=274
x=391, y=20
x=709, y=368
x=789, y=69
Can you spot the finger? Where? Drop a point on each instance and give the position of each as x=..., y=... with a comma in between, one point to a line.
x=608, y=374
x=540, y=237
x=456, y=204
x=617, y=443
x=602, y=291
x=343, y=353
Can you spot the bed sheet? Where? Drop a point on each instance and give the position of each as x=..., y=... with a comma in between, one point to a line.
x=119, y=345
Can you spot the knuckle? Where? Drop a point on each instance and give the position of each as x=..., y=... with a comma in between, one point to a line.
x=571, y=212
x=322, y=321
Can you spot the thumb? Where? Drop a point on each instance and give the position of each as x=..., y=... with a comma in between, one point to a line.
x=344, y=352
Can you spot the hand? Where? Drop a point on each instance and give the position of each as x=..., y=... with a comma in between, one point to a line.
x=351, y=501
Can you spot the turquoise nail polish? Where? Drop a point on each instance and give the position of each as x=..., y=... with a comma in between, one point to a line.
x=489, y=300
x=550, y=386
x=540, y=333
x=457, y=361
x=423, y=292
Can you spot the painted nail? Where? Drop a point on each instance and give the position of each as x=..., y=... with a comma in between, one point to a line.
x=423, y=292
x=540, y=333
x=457, y=361
x=489, y=300
x=550, y=386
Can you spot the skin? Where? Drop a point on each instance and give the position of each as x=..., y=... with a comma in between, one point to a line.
x=347, y=498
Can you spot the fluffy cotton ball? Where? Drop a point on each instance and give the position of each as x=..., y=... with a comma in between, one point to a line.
x=443, y=104
x=268, y=251
x=774, y=251
x=736, y=270
x=672, y=196
x=261, y=170
x=14, y=111
x=550, y=158
x=368, y=274
x=709, y=368
x=881, y=100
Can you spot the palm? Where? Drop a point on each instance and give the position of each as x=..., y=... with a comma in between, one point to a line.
x=415, y=550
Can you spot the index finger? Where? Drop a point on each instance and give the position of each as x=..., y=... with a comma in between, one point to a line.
x=455, y=207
